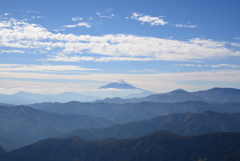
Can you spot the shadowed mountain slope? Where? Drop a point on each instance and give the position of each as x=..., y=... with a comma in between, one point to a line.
x=182, y=124
x=21, y=125
x=161, y=146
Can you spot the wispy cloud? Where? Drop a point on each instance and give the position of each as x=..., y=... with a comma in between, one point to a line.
x=225, y=65
x=29, y=11
x=166, y=81
x=42, y=68
x=153, y=21
x=77, y=18
x=189, y=26
x=12, y=51
x=106, y=13
x=78, y=25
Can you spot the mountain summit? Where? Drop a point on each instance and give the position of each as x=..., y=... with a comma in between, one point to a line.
x=120, y=84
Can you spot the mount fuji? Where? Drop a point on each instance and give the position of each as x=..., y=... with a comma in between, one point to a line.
x=120, y=84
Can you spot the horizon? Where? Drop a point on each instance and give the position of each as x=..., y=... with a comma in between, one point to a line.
x=114, y=89
x=53, y=47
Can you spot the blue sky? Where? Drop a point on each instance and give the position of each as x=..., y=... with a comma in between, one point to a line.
x=57, y=46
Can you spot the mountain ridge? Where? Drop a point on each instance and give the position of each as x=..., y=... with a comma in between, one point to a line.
x=160, y=145
x=178, y=123
x=22, y=125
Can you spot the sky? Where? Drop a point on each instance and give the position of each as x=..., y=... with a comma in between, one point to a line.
x=51, y=47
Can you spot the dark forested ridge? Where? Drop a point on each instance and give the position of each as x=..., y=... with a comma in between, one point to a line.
x=180, y=123
x=21, y=125
x=123, y=113
x=160, y=145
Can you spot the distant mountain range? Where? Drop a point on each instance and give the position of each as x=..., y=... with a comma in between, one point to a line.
x=160, y=145
x=181, y=123
x=20, y=125
x=130, y=93
x=24, y=98
x=123, y=113
x=215, y=95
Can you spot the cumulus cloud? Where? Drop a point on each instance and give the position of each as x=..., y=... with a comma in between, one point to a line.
x=19, y=35
x=153, y=21
x=5, y=14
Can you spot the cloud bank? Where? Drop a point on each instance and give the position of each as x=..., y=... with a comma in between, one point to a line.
x=24, y=37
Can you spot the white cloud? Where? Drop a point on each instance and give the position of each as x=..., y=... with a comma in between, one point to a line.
x=89, y=19
x=77, y=18
x=70, y=26
x=98, y=13
x=225, y=65
x=237, y=38
x=153, y=21
x=235, y=44
x=11, y=51
x=84, y=24
x=29, y=11
x=187, y=65
x=78, y=25
x=5, y=14
x=105, y=14
x=189, y=26
x=120, y=47
x=160, y=82
x=42, y=68
x=5, y=24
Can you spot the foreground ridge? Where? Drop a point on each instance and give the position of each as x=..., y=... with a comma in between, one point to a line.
x=160, y=145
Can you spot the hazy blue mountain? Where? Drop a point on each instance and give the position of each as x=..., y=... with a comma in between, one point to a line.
x=4, y=104
x=120, y=84
x=30, y=98
x=170, y=97
x=21, y=125
x=131, y=95
x=160, y=146
x=139, y=95
x=123, y=113
x=215, y=95
x=220, y=95
x=182, y=124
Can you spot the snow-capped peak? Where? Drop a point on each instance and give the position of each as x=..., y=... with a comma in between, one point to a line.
x=121, y=82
